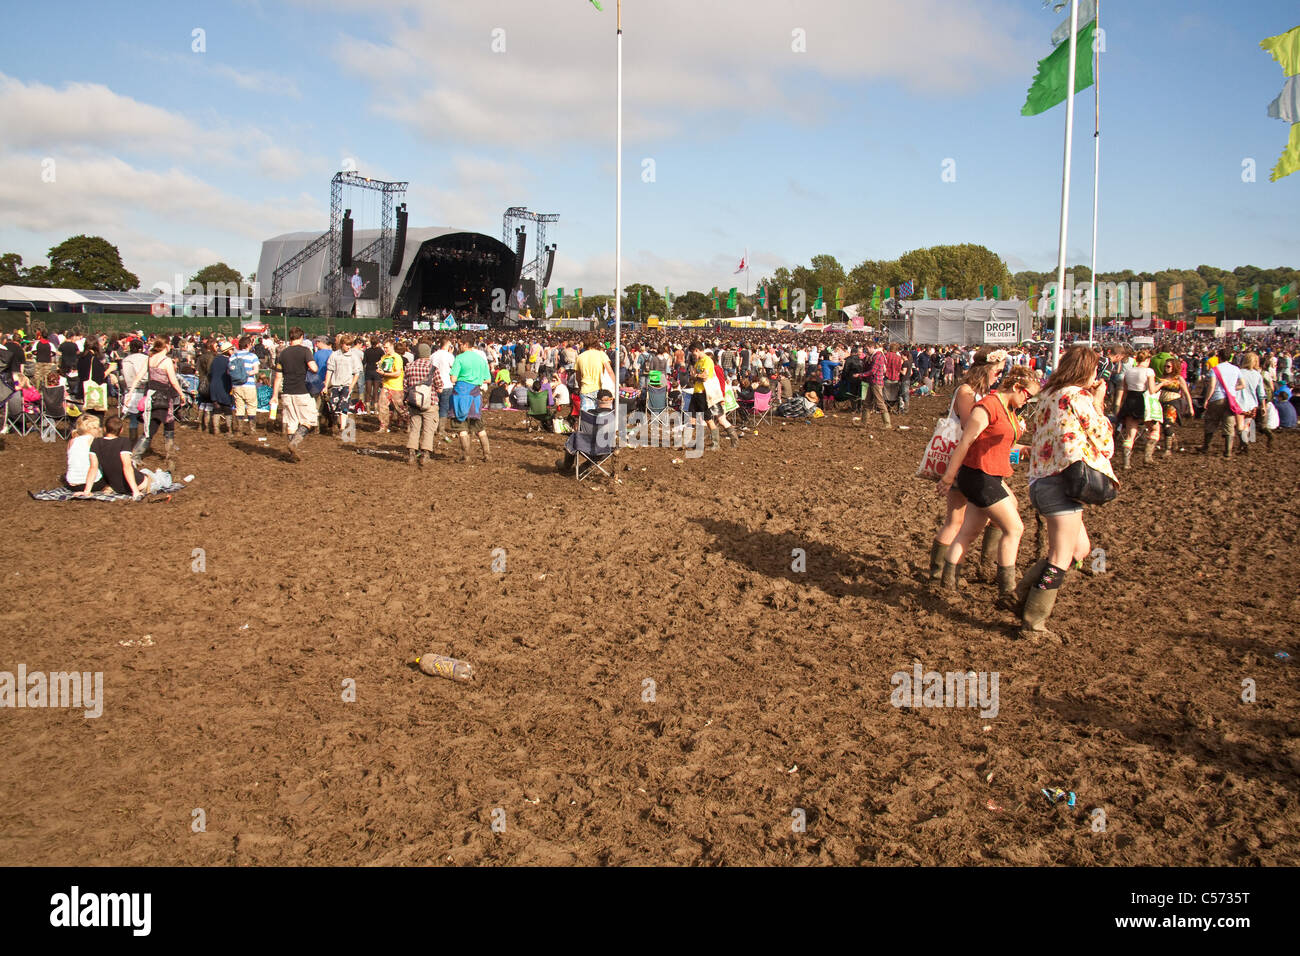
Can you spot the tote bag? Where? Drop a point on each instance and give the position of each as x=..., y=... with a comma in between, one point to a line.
x=938, y=451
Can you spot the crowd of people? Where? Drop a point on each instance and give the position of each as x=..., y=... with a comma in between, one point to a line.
x=1007, y=402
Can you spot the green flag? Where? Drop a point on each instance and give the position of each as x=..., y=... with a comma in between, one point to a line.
x=1248, y=298
x=578, y=293
x=943, y=292
x=1285, y=48
x=762, y=296
x=875, y=298
x=839, y=297
x=997, y=292
x=785, y=297
x=981, y=292
x=1211, y=300
x=1284, y=298
x=668, y=297
x=731, y=298
x=596, y=4
x=1051, y=82
x=559, y=297
x=638, y=300
x=820, y=301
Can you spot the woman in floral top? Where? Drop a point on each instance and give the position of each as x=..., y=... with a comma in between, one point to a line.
x=1069, y=425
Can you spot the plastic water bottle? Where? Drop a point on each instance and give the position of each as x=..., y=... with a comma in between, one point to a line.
x=1015, y=458
x=438, y=666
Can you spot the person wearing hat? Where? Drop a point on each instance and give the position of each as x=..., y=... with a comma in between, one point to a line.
x=424, y=375
x=219, y=386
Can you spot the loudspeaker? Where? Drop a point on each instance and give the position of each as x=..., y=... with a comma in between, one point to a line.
x=345, y=251
x=521, y=242
x=399, y=243
x=550, y=264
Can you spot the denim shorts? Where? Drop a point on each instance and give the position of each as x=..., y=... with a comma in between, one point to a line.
x=1047, y=495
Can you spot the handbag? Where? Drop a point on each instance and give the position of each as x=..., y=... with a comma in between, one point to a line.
x=1087, y=485
x=938, y=452
x=1152, y=405
x=1232, y=400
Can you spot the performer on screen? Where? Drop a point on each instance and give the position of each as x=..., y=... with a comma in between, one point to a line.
x=358, y=284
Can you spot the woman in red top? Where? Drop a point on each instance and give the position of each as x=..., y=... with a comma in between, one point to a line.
x=979, y=463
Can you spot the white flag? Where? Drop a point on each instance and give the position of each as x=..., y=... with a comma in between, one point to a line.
x=1087, y=13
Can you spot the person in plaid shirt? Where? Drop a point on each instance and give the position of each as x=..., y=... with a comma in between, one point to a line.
x=875, y=379
x=424, y=422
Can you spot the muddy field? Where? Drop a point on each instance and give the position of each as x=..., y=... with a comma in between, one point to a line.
x=770, y=702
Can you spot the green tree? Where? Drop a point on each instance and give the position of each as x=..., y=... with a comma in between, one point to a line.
x=11, y=268
x=89, y=262
x=693, y=305
x=652, y=302
x=218, y=272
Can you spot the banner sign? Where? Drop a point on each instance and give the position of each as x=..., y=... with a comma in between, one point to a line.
x=1001, y=332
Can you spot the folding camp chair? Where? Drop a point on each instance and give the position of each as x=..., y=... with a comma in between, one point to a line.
x=592, y=443
x=762, y=408
x=18, y=417
x=187, y=408
x=656, y=406
x=55, y=409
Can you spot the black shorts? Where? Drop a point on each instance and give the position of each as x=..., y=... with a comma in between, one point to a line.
x=981, y=489
x=700, y=406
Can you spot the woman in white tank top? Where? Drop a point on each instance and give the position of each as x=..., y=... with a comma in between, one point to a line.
x=1139, y=381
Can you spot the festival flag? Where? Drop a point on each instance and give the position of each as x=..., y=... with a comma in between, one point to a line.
x=762, y=296
x=1211, y=300
x=1249, y=298
x=1087, y=13
x=981, y=292
x=1285, y=48
x=926, y=294
x=559, y=297
x=731, y=298
x=578, y=293
x=820, y=300
x=1285, y=298
x=596, y=4
x=741, y=268
x=839, y=297
x=713, y=295
x=638, y=301
x=943, y=292
x=785, y=298
x=1176, y=299
x=875, y=298
x=905, y=290
x=997, y=292
x=668, y=299
x=1033, y=297
x=1052, y=80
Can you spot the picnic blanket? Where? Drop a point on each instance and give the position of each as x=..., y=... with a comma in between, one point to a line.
x=67, y=494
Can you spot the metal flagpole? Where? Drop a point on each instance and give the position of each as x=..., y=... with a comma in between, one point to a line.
x=618, y=223
x=1065, y=182
x=1096, y=167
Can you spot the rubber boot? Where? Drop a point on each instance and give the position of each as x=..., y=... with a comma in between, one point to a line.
x=1038, y=608
x=715, y=444
x=410, y=456
x=1128, y=456
x=138, y=452
x=422, y=457
x=989, y=550
x=134, y=434
x=1227, y=446
x=1169, y=446
x=1032, y=574
x=937, y=552
x=1149, y=452
x=734, y=438
x=1006, y=581
x=948, y=580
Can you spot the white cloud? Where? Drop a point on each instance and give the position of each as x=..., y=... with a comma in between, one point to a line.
x=438, y=74
x=259, y=81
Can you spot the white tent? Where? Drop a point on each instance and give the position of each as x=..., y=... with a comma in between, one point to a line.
x=963, y=322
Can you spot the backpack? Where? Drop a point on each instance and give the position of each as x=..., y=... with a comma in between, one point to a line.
x=238, y=370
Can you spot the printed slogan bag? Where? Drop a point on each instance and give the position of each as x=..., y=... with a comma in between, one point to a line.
x=938, y=452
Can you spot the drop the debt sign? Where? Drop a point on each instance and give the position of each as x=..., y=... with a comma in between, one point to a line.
x=1001, y=331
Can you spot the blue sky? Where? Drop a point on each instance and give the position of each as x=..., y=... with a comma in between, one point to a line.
x=183, y=157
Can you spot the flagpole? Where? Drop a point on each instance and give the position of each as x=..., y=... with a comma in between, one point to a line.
x=618, y=222
x=1065, y=182
x=1096, y=167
